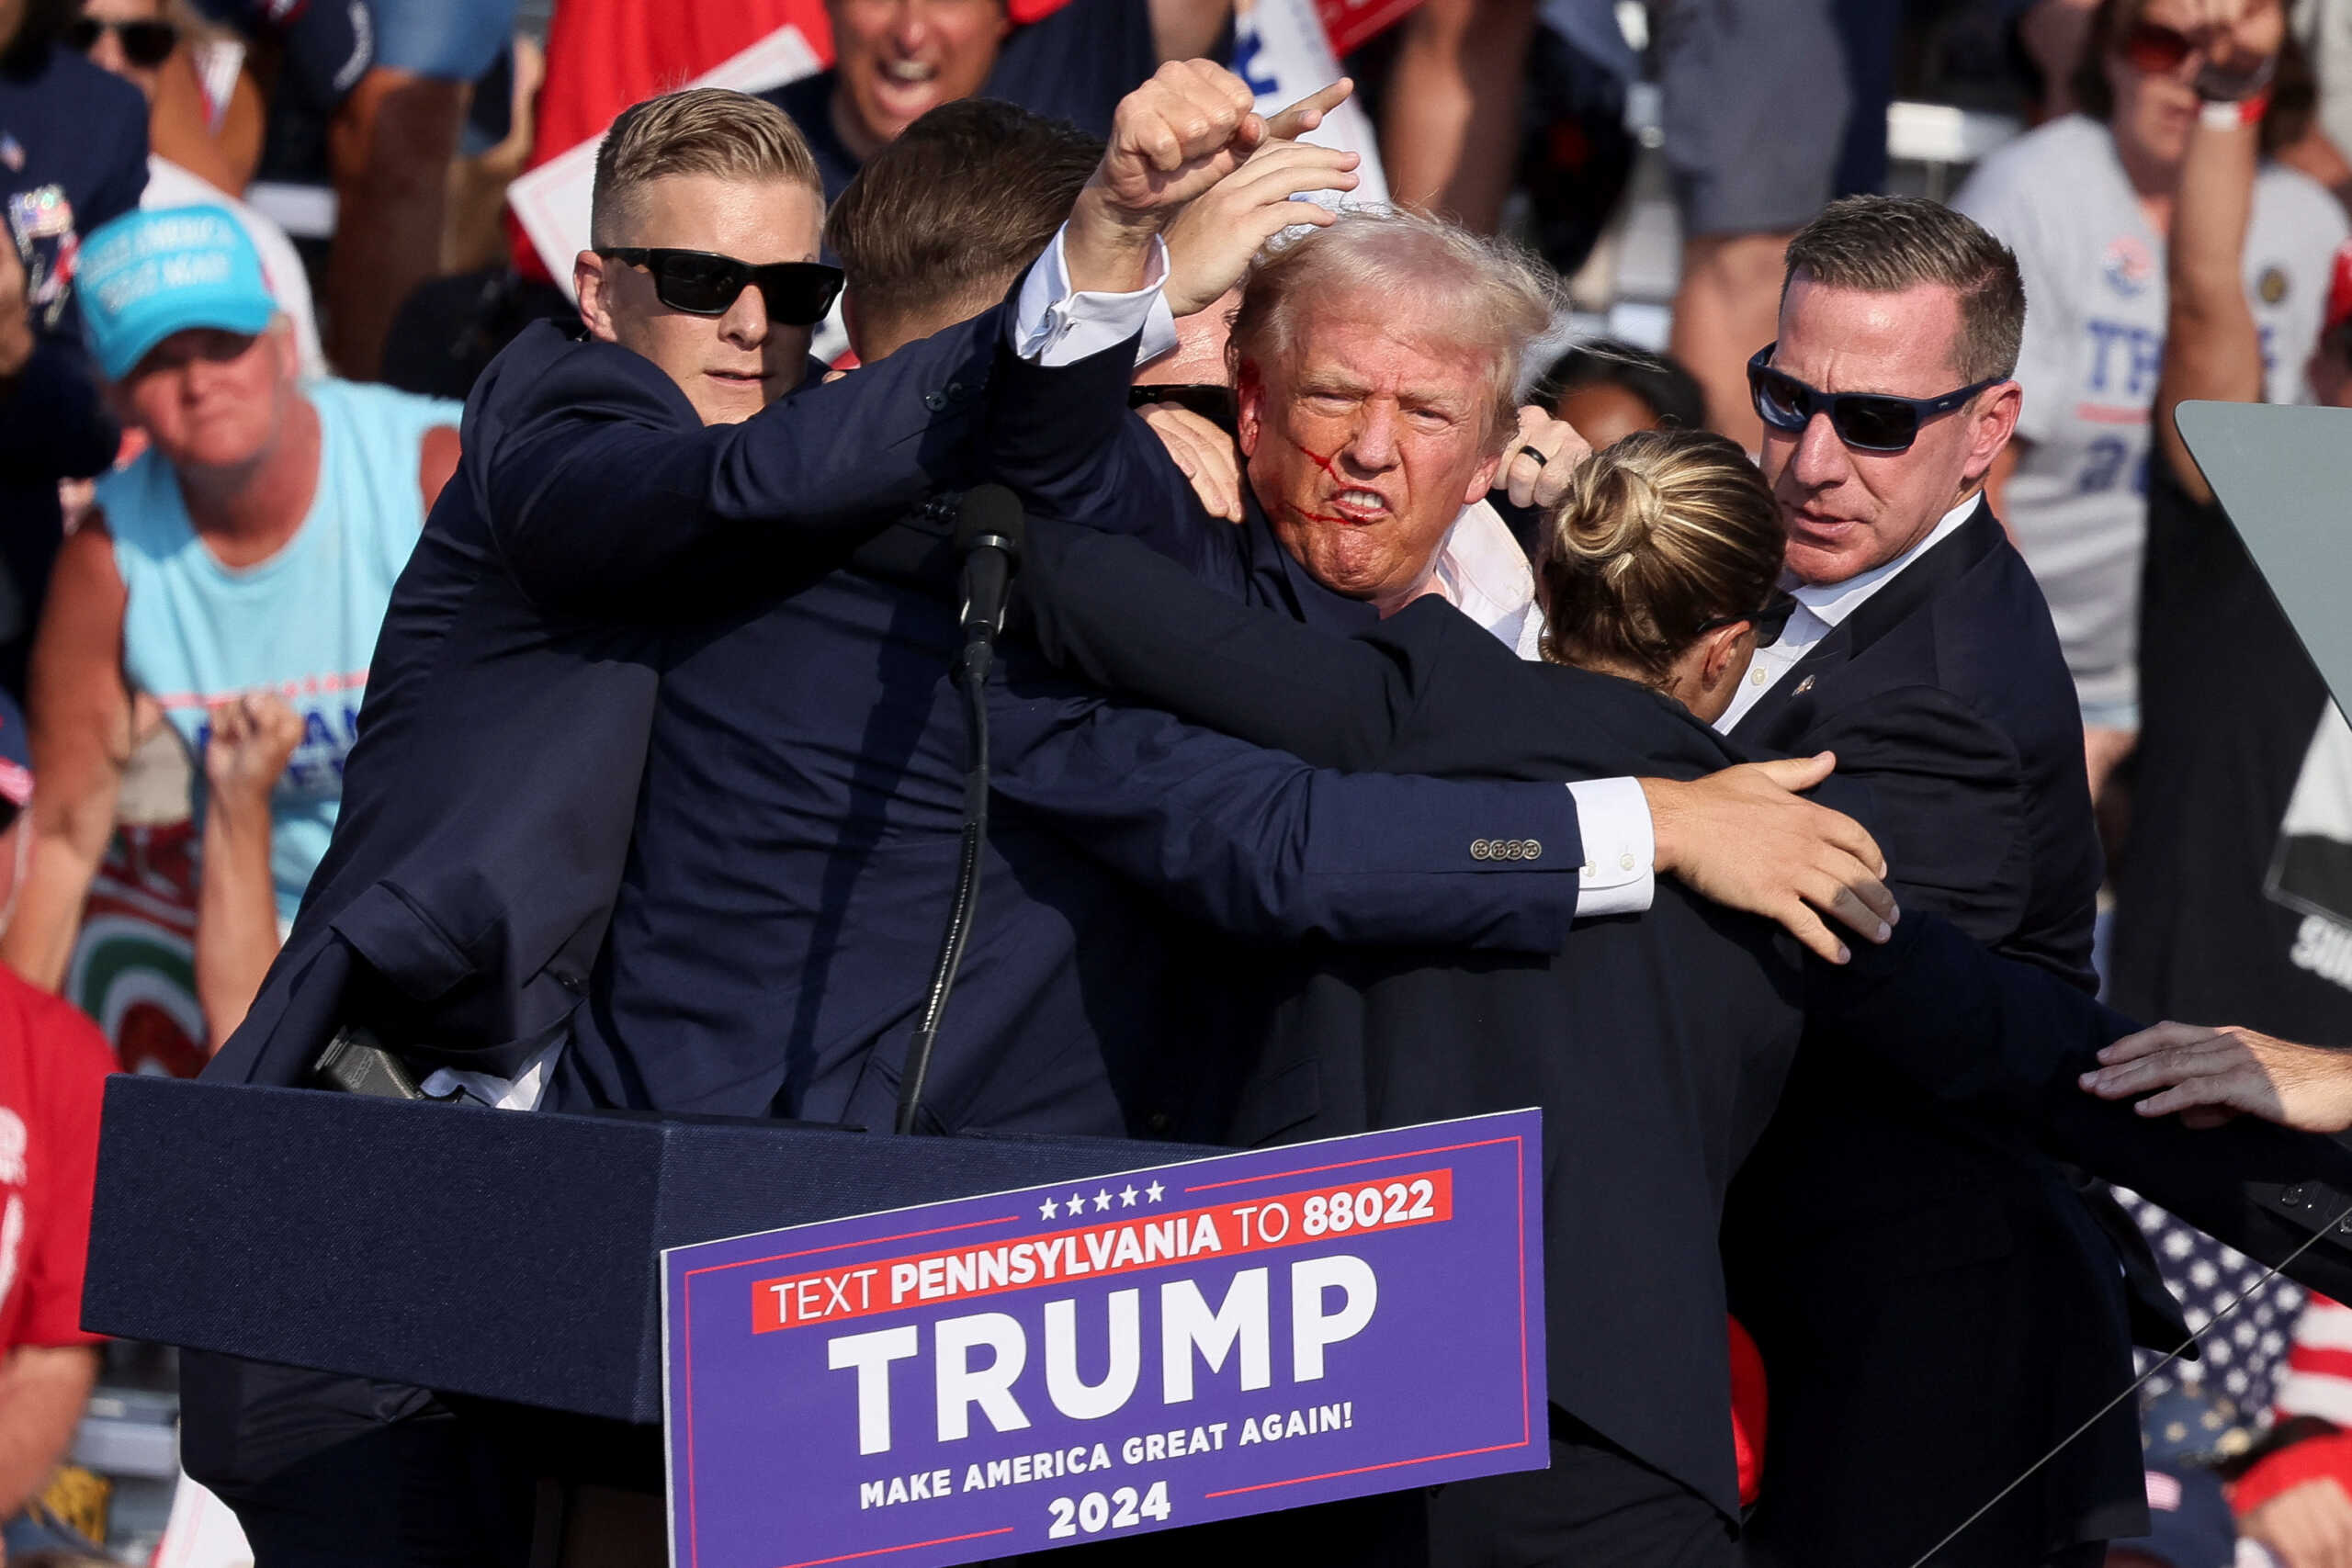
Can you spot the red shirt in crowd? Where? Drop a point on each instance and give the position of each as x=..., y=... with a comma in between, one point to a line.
x=53, y=1065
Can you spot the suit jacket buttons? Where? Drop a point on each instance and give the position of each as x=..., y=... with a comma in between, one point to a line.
x=1506, y=849
x=935, y=402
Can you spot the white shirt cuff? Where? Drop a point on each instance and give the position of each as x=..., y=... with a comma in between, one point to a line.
x=1619, y=872
x=1056, y=326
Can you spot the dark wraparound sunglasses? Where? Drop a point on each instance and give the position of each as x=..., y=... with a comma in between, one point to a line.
x=2155, y=49
x=702, y=283
x=1867, y=421
x=143, y=43
x=1218, y=405
x=1769, y=621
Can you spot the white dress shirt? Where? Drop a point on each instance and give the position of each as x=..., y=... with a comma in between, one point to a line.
x=1822, y=607
x=1056, y=325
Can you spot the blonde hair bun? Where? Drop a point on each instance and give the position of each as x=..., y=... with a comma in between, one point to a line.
x=1611, y=513
x=1659, y=534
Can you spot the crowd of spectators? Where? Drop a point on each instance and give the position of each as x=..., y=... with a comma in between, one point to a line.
x=219, y=445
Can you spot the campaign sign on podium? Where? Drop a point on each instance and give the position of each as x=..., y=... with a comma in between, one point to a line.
x=1180, y=1343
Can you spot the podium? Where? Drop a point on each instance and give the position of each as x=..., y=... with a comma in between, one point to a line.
x=505, y=1256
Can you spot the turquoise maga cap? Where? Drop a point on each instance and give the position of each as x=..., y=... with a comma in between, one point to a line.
x=148, y=274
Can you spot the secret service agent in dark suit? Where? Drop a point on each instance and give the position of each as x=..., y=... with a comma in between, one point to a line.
x=1657, y=1047
x=1900, y=1263
x=1928, y=1286
x=488, y=802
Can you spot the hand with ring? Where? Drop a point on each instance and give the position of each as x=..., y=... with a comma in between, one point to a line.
x=1542, y=459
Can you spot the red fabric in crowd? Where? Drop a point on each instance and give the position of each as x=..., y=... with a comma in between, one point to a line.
x=1747, y=1403
x=603, y=55
x=2309, y=1459
x=53, y=1065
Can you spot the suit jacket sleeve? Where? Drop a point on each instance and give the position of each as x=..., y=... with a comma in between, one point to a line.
x=606, y=495
x=1258, y=844
x=1054, y=431
x=1121, y=618
x=1062, y=437
x=1949, y=804
x=1970, y=1025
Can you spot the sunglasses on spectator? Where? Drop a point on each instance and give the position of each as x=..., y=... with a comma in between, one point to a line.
x=702, y=283
x=2155, y=50
x=1769, y=621
x=146, y=43
x=1867, y=422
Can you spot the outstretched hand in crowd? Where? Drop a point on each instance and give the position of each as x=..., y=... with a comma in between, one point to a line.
x=2209, y=1076
x=251, y=737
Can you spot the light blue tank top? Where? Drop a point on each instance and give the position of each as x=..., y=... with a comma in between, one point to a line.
x=301, y=624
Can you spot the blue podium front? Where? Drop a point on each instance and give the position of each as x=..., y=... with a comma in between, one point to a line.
x=507, y=1256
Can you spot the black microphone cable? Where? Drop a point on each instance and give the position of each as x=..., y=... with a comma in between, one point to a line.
x=988, y=528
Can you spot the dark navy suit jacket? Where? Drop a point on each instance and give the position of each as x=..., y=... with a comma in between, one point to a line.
x=797, y=836
x=1888, y=1253
x=1657, y=1047
x=488, y=799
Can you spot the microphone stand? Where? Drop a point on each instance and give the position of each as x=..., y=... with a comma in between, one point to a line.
x=972, y=677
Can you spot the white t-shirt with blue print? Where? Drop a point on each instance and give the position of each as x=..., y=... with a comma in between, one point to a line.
x=2095, y=311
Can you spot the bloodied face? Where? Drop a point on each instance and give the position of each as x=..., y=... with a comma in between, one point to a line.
x=1365, y=443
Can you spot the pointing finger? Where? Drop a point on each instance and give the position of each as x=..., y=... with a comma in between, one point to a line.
x=1290, y=123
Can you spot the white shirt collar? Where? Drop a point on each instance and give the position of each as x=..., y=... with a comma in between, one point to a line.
x=1833, y=602
x=1482, y=572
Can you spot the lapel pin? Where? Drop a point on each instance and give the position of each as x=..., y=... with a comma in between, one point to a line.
x=1803, y=687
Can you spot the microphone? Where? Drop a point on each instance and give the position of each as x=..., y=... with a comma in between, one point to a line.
x=989, y=530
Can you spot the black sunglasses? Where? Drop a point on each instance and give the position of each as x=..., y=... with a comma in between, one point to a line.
x=1867, y=421
x=1218, y=405
x=143, y=43
x=2155, y=49
x=1769, y=621
x=703, y=284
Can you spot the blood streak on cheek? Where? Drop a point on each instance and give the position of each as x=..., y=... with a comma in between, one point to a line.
x=1324, y=464
x=1317, y=458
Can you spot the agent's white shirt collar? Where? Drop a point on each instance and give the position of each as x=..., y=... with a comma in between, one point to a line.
x=1833, y=602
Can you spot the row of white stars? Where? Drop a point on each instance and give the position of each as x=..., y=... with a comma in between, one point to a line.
x=1049, y=1210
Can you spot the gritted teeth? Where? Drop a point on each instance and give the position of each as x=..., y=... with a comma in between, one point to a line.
x=908, y=71
x=1366, y=498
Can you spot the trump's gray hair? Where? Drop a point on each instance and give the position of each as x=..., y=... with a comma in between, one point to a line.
x=1470, y=288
